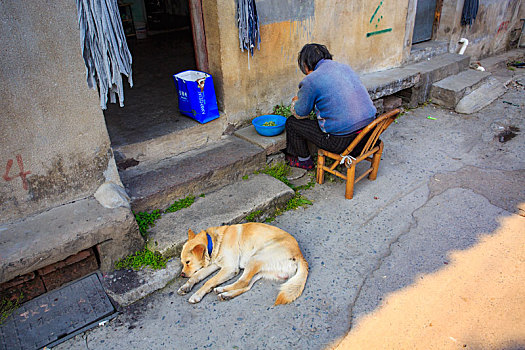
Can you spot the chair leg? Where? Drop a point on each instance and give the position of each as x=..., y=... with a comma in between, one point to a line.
x=320, y=170
x=350, y=176
x=375, y=162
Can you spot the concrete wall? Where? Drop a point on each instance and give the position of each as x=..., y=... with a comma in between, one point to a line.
x=51, y=125
x=249, y=86
x=491, y=31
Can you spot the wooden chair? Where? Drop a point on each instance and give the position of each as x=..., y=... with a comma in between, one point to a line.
x=353, y=155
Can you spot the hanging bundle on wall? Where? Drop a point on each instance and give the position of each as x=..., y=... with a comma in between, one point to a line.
x=470, y=10
x=104, y=48
x=248, y=23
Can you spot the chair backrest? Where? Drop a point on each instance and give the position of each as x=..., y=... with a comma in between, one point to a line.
x=376, y=128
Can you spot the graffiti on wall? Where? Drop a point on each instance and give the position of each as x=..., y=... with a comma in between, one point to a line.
x=503, y=26
x=22, y=174
x=375, y=21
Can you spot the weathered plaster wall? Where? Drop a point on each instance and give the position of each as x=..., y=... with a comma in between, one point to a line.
x=54, y=144
x=248, y=86
x=490, y=32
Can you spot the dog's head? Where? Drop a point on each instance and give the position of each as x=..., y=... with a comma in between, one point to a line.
x=193, y=256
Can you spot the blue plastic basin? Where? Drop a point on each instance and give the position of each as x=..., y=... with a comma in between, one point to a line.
x=269, y=130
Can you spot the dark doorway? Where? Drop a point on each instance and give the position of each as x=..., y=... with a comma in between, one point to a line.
x=151, y=106
x=424, y=22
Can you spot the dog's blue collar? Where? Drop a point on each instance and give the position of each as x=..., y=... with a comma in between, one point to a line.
x=210, y=244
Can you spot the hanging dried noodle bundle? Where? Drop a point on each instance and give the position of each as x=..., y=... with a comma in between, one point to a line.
x=248, y=23
x=104, y=48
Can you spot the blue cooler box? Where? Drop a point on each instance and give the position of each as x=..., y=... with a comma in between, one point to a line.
x=197, y=95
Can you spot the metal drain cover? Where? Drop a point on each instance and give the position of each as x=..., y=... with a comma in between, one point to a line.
x=57, y=316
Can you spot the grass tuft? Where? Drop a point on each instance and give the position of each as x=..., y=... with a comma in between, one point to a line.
x=142, y=259
x=8, y=306
x=146, y=220
x=254, y=215
x=180, y=204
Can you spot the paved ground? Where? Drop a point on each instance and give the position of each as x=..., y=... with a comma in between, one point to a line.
x=444, y=220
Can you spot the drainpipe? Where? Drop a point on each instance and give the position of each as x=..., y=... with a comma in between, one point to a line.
x=464, y=43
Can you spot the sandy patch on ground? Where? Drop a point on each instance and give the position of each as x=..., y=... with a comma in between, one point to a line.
x=477, y=301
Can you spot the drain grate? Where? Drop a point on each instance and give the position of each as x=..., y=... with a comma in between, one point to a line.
x=57, y=316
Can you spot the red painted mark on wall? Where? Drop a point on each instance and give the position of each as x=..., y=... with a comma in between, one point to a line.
x=23, y=174
x=503, y=26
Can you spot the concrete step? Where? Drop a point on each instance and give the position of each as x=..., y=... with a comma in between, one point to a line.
x=54, y=235
x=426, y=50
x=156, y=185
x=271, y=144
x=449, y=91
x=481, y=97
x=159, y=145
x=413, y=81
x=228, y=205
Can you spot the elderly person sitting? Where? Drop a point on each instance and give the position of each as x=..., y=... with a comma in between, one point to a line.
x=340, y=101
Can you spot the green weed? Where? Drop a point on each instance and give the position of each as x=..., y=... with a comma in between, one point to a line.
x=278, y=171
x=7, y=306
x=252, y=216
x=142, y=259
x=146, y=220
x=286, y=111
x=296, y=202
x=283, y=110
x=180, y=204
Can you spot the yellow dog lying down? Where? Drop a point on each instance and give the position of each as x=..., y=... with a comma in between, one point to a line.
x=263, y=251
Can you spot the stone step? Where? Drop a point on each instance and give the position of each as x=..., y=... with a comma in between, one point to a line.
x=481, y=97
x=41, y=240
x=426, y=50
x=271, y=144
x=159, y=145
x=156, y=185
x=413, y=81
x=228, y=205
x=449, y=91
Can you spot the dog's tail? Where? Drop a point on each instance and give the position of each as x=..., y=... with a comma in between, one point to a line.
x=292, y=289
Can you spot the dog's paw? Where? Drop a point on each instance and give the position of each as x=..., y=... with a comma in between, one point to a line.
x=194, y=299
x=218, y=290
x=224, y=297
x=184, y=290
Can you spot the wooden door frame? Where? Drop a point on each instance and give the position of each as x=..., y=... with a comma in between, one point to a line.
x=199, y=35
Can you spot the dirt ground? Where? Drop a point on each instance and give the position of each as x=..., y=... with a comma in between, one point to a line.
x=477, y=301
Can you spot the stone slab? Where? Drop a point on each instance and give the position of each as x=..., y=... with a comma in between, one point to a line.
x=426, y=50
x=156, y=186
x=481, y=97
x=229, y=205
x=127, y=286
x=271, y=144
x=388, y=82
x=433, y=70
x=449, y=91
x=159, y=147
x=416, y=76
x=54, y=235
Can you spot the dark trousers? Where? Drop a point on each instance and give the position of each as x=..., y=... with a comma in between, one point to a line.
x=299, y=131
